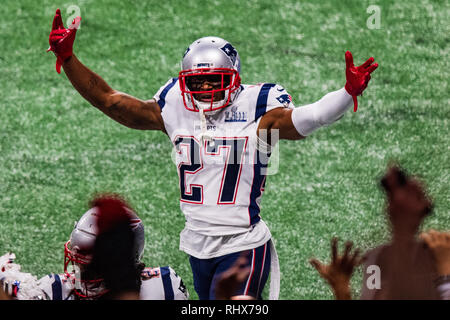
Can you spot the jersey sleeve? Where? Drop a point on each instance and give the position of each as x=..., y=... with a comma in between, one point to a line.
x=179, y=289
x=161, y=94
x=46, y=284
x=174, y=288
x=272, y=96
x=56, y=287
x=162, y=284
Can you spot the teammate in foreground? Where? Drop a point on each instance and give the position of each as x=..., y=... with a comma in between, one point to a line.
x=102, y=261
x=222, y=132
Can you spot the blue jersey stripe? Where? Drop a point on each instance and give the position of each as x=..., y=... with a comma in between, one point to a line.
x=57, y=288
x=260, y=165
x=162, y=96
x=261, y=103
x=167, y=283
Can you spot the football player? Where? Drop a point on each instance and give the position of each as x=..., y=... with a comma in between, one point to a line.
x=79, y=282
x=222, y=132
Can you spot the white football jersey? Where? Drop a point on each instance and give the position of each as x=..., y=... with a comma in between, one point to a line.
x=161, y=283
x=220, y=184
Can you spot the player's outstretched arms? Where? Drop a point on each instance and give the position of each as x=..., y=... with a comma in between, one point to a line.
x=297, y=123
x=123, y=108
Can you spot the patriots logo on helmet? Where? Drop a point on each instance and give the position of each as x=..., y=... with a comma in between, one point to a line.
x=230, y=51
x=284, y=99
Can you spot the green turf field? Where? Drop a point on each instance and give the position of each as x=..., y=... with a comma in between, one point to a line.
x=56, y=150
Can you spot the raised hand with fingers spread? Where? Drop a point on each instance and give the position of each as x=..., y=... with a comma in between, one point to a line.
x=357, y=77
x=230, y=280
x=339, y=272
x=61, y=39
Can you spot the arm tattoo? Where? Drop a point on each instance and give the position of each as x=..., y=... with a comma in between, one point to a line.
x=93, y=82
x=125, y=115
x=132, y=113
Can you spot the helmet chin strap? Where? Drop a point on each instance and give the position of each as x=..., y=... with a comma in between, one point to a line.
x=204, y=135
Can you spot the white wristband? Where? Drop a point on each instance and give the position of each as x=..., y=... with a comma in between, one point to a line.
x=324, y=112
x=444, y=290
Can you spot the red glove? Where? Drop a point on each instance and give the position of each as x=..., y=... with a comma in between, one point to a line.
x=357, y=77
x=61, y=39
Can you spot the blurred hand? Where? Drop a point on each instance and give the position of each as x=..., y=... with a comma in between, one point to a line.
x=406, y=195
x=439, y=244
x=61, y=39
x=339, y=272
x=357, y=77
x=230, y=280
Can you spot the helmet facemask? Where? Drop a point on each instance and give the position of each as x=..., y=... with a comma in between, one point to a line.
x=209, y=89
x=209, y=78
x=87, y=285
x=79, y=250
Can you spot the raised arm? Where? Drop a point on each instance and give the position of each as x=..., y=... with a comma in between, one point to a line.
x=123, y=108
x=339, y=271
x=297, y=123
